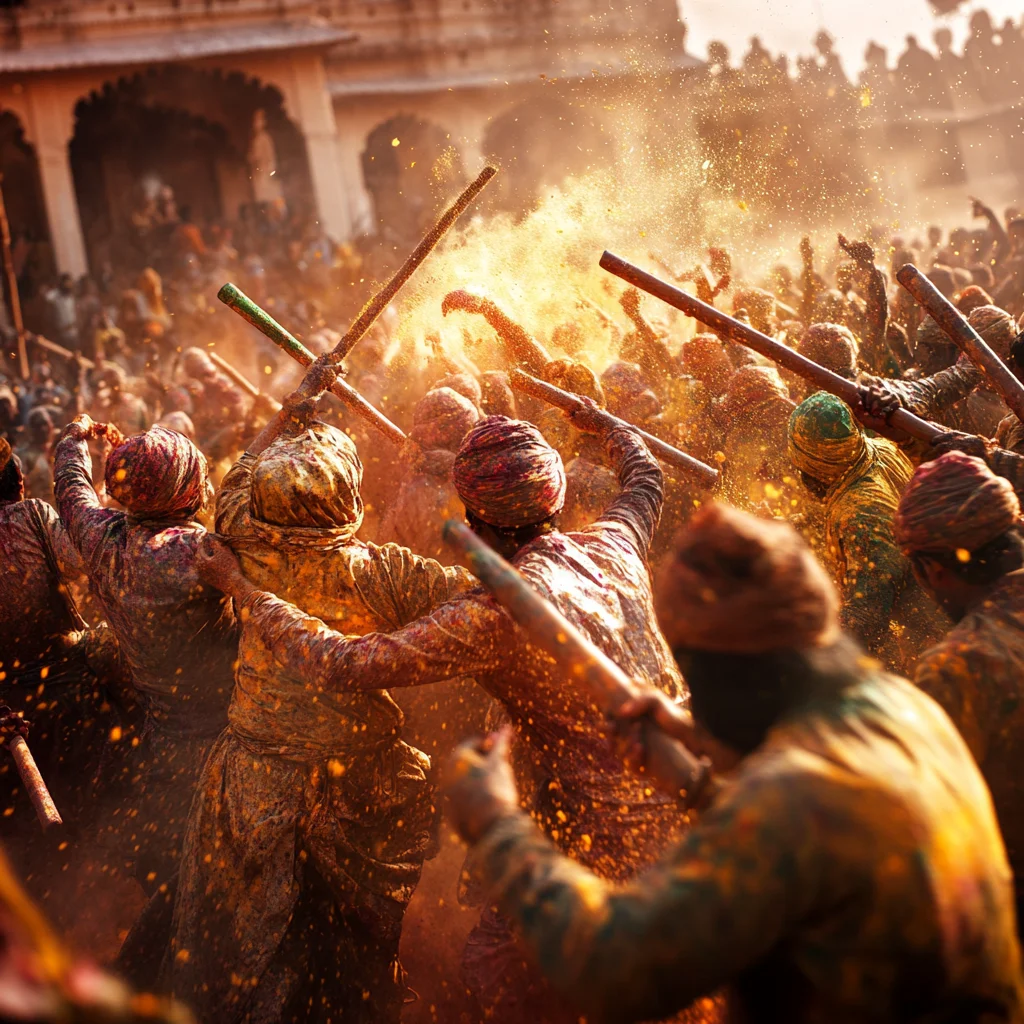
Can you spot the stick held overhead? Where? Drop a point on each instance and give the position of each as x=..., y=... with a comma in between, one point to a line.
x=726, y=327
x=527, y=384
x=234, y=298
x=999, y=376
x=671, y=764
x=373, y=309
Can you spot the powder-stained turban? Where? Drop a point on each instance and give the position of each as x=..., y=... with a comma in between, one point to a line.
x=623, y=384
x=441, y=419
x=955, y=502
x=507, y=475
x=5, y=453
x=705, y=359
x=196, y=362
x=825, y=441
x=464, y=384
x=751, y=386
x=179, y=421
x=309, y=482
x=158, y=474
x=759, y=304
x=739, y=584
x=996, y=326
x=498, y=399
x=832, y=346
x=972, y=298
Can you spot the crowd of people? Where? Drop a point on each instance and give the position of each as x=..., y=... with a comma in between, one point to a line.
x=242, y=651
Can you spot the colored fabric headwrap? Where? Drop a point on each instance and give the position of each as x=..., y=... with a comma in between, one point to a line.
x=825, y=441
x=5, y=453
x=972, y=298
x=498, y=399
x=832, y=346
x=441, y=419
x=507, y=475
x=735, y=583
x=179, y=421
x=197, y=363
x=751, y=386
x=996, y=326
x=759, y=304
x=158, y=474
x=307, y=486
x=705, y=359
x=463, y=384
x=622, y=384
x=955, y=502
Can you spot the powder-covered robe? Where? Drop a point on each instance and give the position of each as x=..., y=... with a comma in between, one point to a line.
x=312, y=817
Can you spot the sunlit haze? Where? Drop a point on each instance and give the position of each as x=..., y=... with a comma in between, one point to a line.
x=790, y=25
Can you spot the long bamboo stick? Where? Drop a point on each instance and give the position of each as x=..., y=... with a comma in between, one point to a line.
x=46, y=810
x=373, y=309
x=726, y=327
x=527, y=384
x=60, y=350
x=999, y=376
x=670, y=763
x=234, y=298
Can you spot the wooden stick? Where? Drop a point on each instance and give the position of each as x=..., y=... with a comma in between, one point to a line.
x=60, y=350
x=237, y=300
x=527, y=384
x=965, y=337
x=671, y=764
x=12, y=287
x=726, y=327
x=382, y=299
x=46, y=810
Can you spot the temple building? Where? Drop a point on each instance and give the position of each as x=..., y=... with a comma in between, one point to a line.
x=359, y=111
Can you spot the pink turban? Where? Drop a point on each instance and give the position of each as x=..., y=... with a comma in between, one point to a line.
x=441, y=419
x=740, y=584
x=158, y=474
x=955, y=502
x=507, y=475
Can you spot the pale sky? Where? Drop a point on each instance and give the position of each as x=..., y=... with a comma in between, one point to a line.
x=790, y=25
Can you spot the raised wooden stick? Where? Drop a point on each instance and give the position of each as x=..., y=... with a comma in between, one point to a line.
x=237, y=300
x=46, y=810
x=241, y=380
x=671, y=764
x=60, y=350
x=726, y=327
x=527, y=384
x=382, y=299
x=12, y=287
x=965, y=337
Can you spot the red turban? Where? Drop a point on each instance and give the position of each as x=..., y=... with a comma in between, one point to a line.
x=156, y=474
x=954, y=503
x=441, y=419
x=507, y=475
x=744, y=585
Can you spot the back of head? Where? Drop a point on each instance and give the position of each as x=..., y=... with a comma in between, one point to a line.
x=753, y=620
x=441, y=419
x=825, y=441
x=497, y=398
x=996, y=326
x=971, y=298
x=463, y=384
x=12, y=482
x=622, y=383
x=309, y=482
x=157, y=475
x=179, y=421
x=953, y=508
x=705, y=359
x=196, y=363
x=507, y=475
x=750, y=387
x=832, y=346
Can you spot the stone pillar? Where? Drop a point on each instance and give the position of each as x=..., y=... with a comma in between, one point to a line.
x=50, y=127
x=352, y=132
x=308, y=101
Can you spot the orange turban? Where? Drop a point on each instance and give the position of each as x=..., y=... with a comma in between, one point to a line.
x=740, y=584
x=954, y=503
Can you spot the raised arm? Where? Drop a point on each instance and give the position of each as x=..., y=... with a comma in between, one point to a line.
x=656, y=357
x=716, y=905
x=85, y=520
x=876, y=318
x=638, y=507
x=520, y=347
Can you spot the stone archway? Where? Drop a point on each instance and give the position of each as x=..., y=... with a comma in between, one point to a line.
x=26, y=210
x=183, y=128
x=409, y=164
x=539, y=143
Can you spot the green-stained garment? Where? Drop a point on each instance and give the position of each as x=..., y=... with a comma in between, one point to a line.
x=882, y=604
x=852, y=871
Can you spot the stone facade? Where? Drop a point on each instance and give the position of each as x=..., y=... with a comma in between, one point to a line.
x=341, y=81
